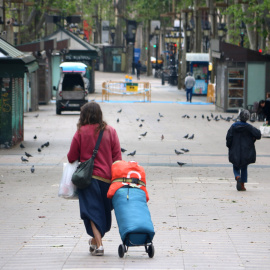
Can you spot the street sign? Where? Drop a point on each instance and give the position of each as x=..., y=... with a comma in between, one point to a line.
x=132, y=87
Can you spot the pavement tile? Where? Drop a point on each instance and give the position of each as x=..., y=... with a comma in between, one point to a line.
x=200, y=220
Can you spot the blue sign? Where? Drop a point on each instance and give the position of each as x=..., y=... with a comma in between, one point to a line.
x=137, y=55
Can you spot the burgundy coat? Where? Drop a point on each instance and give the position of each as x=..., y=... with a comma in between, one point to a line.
x=83, y=144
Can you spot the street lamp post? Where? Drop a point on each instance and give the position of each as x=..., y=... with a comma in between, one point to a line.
x=188, y=34
x=112, y=34
x=173, y=73
x=242, y=33
x=133, y=58
x=157, y=31
x=167, y=44
x=180, y=56
x=206, y=33
x=94, y=30
x=221, y=31
x=16, y=31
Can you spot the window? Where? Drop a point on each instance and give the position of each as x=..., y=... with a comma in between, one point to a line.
x=236, y=83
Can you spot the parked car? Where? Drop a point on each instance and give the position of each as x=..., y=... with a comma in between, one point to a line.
x=72, y=89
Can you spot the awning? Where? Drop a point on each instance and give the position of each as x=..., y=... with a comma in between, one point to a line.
x=31, y=67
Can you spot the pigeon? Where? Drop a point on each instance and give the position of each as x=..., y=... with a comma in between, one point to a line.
x=46, y=144
x=36, y=115
x=181, y=163
x=195, y=116
x=212, y=115
x=160, y=115
x=142, y=120
x=191, y=137
x=185, y=150
x=117, y=120
x=178, y=152
x=123, y=150
x=184, y=116
x=140, y=125
x=208, y=119
x=28, y=155
x=144, y=134
x=132, y=153
x=158, y=120
x=202, y=116
x=162, y=137
x=32, y=169
x=119, y=111
x=187, y=116
x=24, y=159
x=22, y=146
x=185, y=136
x=39, y=150
x=137, y=119
x=35, y=137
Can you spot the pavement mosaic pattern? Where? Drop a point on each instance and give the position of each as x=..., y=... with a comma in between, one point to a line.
x=201, y=221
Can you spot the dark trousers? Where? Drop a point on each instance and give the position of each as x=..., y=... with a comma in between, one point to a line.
x=189, y=94
x=138, y=74
x=242, y=172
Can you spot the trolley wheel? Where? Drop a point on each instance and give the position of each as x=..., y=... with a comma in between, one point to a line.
x=151, y=251
x=121, y=250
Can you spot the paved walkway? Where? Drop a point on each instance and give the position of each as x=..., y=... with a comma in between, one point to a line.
x=201, y=221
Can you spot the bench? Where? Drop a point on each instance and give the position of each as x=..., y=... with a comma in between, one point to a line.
x=122, y=88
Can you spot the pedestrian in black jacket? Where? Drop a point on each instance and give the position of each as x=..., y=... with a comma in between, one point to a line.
x=240, y=140
x=264, y=106
x=138, y=67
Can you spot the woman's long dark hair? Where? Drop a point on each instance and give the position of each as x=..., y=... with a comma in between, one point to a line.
x=91, y=114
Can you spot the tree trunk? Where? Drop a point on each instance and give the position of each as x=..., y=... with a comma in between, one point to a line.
x=149, y=66
x=119, y=11
x=250, y=32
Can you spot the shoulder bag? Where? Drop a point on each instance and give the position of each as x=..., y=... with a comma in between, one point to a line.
x=82, y=177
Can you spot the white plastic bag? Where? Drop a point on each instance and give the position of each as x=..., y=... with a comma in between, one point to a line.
x=265, y=131
x=66, y=188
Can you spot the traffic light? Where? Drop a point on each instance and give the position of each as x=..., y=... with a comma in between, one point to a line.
x=154, y=45
x=146, y=48
x=260, y=50
x=175, y=45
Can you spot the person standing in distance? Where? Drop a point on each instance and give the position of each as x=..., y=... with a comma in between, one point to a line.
x=240, y=140
x=189, y=84
x=95, y=207
x=138, y=68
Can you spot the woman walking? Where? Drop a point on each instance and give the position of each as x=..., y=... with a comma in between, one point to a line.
x=240, y=140
x=95, y=207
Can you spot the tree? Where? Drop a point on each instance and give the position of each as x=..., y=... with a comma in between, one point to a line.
x=255, y=15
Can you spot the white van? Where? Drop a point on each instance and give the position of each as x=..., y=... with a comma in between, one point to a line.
x=72, y=88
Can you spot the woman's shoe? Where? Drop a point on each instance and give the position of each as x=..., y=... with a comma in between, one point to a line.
x=98, y=251
x=91, y=246
x=238, y=184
